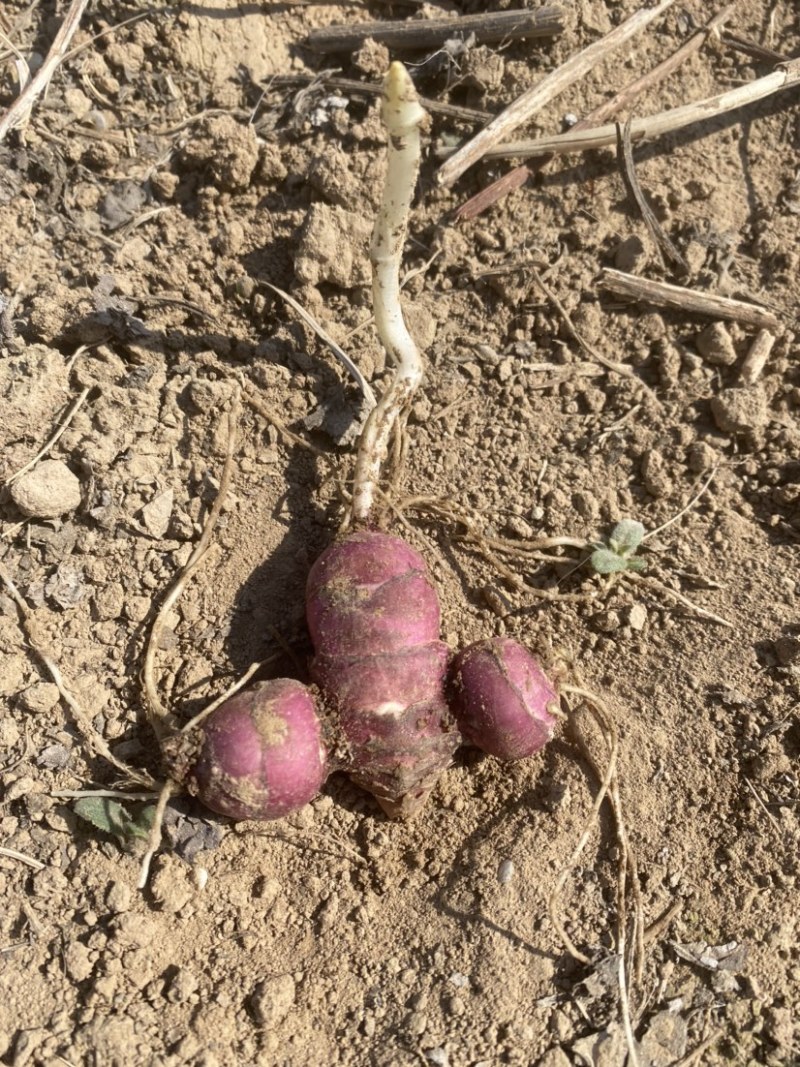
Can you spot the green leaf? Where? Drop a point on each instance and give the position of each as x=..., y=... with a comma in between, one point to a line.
x=636, y=564
x=626, y=536
x=104, y=813
x=112, y=817
x=604, y=561
x=141, y=825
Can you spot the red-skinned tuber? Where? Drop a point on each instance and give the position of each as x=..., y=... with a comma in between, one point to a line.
x=260, y=755
x=502, y=699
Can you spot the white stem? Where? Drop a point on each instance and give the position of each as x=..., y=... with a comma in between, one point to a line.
x=402, y=115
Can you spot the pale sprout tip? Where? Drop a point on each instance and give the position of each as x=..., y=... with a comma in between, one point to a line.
x=401, y=106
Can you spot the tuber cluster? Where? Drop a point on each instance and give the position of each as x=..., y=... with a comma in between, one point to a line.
x=390, y=704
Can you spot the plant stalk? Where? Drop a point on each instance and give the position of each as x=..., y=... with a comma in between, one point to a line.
x=402, y=115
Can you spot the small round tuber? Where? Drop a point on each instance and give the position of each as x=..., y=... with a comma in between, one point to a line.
x=260, y=755
x=501, y=698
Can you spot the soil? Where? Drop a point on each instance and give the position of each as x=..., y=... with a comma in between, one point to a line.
x=167, y=178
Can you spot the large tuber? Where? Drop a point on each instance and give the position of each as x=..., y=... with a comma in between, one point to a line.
x=373, y=615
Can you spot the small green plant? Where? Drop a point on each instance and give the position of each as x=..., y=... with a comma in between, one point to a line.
x=619, y=553
x=113, y=817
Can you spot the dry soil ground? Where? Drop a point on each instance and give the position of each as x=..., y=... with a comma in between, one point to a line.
x=167, y=176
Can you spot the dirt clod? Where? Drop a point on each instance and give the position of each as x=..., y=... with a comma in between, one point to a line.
x=715, y=344
x=332, y=247
x=273, y=1000
x=48, y=491
x=740, y=410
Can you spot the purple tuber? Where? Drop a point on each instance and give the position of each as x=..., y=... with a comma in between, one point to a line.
x=502, y=700
x=373, y=615
x=260, y=755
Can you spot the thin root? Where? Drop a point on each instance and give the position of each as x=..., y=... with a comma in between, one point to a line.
x=295, y=439
x=168, y=790
x=654, y=583
x=237, y=685
x=629, y=959
x=616, y=368
x=609, y=731
x=692, y=502
x=156, y=710
x=22, y=857
x=486, y=547
x=73, y=410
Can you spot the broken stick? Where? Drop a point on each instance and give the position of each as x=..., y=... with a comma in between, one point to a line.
x=665, y=249
x=692, y=300
x=756, y=359
x=19, y=111
x=543, y=91
x=432, y=33
x=519, y=175
x=786, y=77
x=370, y=89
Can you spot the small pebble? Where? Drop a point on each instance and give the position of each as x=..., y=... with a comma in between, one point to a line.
x=787, y=649
x=701, y=457
x=607, y=621
x=554, y=1057
x=157, y=513
x=417, y=1022
x=637, y=617
x=517, y=527
x=273, y=1000
x=118, y=897
x=39, y=698
x=53, y=757
x=48, y=491
x=455, y=1005
x=505, y=872
x=716, y=345
x=437, y=1056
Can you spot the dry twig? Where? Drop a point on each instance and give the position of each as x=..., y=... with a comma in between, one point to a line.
x=371, y=89
x=19, y=111
x=73, y=410
x=752, y=48
x=756, y=358
x=168, y=790
x=325, y=337
x=432, y=33
x=664, y=247
x=626, y=863
x=690, y=503
x=543, y=91
x=685, y=299
x=95, y=741
x=520, y=174
x=786, y=77
x=665, y=590
x=22, y=857
x=156, y=710
x=617, y=368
